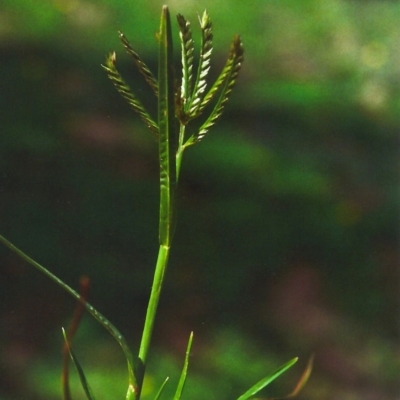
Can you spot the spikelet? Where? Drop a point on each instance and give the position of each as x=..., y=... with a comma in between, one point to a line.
x=225, y=82
x=187, y=50
x=142, y=67
x=127, y=93
x=204, y=65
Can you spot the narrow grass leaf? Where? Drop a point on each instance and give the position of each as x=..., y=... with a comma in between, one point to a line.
x=161, y=389
x=142, y=67
x=82, y=377
x=267, y=380
x=127, y=93
x=182, y=378
x=84, y=284
x=302, y=381
x=96, y=314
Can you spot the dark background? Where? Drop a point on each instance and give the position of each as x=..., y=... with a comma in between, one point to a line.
x=287, y=236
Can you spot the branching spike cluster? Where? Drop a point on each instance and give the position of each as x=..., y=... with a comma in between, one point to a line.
x=191, y=96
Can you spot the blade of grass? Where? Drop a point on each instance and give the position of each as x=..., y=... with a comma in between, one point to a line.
x=76, y=319
x=182, y=378
x=267, y=380
x=161, y=388
x=133, y=386
x=301, y=382
x=82, y=377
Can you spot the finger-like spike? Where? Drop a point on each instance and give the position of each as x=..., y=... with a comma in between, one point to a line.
x=233, y=64
x=142, y=67
x=187, y=51
x=204, y=65
x=225, y=82
x=127, y=93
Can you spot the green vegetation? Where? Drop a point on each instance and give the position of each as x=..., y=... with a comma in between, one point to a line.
x=176, y=108
x=287, y=233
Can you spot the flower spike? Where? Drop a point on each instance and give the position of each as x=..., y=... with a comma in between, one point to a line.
x=142, y=67
x=127, y=93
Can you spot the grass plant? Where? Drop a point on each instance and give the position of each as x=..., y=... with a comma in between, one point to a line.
x=178, y=106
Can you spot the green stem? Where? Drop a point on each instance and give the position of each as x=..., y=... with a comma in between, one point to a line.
x=168, y=145
x=161, y=266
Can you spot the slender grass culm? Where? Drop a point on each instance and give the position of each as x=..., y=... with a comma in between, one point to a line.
x=177, y=107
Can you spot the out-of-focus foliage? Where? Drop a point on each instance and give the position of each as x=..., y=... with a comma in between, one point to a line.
x=299, y=257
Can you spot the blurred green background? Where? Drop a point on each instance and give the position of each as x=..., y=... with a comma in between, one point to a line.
x=287, y=239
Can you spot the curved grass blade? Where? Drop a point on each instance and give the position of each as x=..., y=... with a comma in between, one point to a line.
x=127, y=93
x=267, y=380
x=301, y=382
x=82, y=377
x=142, y=67
x=76, y=319
x=133, y=388
x=182, y=378
x=187, y=51
x=303, y=378
x=161, y=388
x=204, y=65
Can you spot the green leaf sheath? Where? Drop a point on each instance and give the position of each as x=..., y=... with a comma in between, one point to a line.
x=168, y=143
x=96, y=314
x=127, y=93
x=168, y=137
